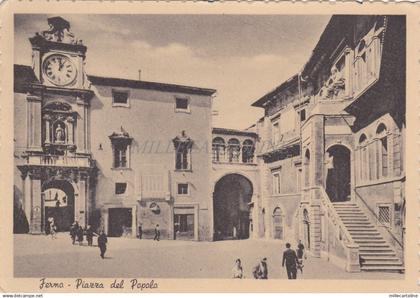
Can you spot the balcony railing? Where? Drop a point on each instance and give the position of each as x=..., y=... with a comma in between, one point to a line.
x=284, y=140
x=59, y=160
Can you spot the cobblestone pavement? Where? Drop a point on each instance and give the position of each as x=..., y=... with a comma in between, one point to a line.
x=41, y=256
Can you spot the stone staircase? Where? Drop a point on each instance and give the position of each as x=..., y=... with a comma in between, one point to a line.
x=378, y=255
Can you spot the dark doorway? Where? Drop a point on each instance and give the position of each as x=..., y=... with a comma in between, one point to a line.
x=58, y=202
x=278, y=224
x=231, y=198
x=120, y=220
x=338, y=173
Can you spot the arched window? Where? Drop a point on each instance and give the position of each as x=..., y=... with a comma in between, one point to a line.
x=234, y=149
x=363, y=158
x=219, y=148
x=382, y=165
x=278, y=225
x=248, y=151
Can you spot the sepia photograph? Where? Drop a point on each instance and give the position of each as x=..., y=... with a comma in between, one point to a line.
x=213, y=146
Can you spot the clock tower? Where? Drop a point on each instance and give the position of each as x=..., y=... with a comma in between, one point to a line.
x=57, y=160
x=58, y=56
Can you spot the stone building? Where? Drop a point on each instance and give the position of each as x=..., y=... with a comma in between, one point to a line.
x=80, y=156
x=325, y=164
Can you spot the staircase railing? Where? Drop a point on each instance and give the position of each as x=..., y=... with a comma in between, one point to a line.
x=384, y=228
x=352, y=248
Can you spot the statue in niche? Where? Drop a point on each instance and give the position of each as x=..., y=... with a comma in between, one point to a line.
x=59, y=134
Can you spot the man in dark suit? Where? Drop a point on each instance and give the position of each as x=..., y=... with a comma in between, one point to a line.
x=290, y=259
x=157, y=233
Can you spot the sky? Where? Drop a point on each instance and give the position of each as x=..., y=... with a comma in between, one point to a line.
x=243, y=57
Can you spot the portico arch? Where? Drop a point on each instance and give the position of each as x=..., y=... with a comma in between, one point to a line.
x=231, y=198
x=58, y=197
x=338, y=173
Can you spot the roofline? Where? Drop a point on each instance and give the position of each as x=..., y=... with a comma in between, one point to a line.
x=260, y=102
x=119, y=82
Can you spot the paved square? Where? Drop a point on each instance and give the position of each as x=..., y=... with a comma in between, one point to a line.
x=40, y=256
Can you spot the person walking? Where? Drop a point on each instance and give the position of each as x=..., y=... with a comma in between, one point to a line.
x=300, y=252
x=80, y=235
x=73, y=232
x=102, y=241
x=140, y=231
x=290, y=260
x=237, y=270
x=89, y=235
x=157, y=233
x=261, y=269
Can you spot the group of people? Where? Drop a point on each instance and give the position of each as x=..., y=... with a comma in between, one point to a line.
x=77, y=234
x=157, y=232
x=292, y=260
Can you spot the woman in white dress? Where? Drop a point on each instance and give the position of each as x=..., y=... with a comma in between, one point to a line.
x=237, y=270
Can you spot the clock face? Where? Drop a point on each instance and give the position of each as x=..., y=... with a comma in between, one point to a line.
x=59, y=70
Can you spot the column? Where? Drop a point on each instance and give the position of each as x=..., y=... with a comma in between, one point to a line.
x=80, y=129
x=70, y=123
x=34, y=122
x=254, y=214
x=316, y=166
x=134, y=221
x=27, y=197
x=348, y=73
x=315, y=230
x=196, y=223
x=47, y=129
x=36, y=218
x=88, y=204
x=104, y=220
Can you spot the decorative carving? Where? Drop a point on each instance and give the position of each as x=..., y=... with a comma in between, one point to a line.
x=59, y=31
x=121, y=137
x=182, y=141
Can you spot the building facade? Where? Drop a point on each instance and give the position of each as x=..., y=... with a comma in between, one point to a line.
x=339, y=127
x=325, y=164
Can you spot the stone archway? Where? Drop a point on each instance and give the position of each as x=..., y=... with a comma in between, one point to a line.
x=338, y=167
x=58, y=199
x=231, y=198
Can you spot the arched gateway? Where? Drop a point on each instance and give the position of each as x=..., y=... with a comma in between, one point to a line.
x=58, y=198
x=231, y=198
x=338, y=182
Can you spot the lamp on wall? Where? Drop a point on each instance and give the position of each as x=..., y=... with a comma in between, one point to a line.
x=100, y=147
